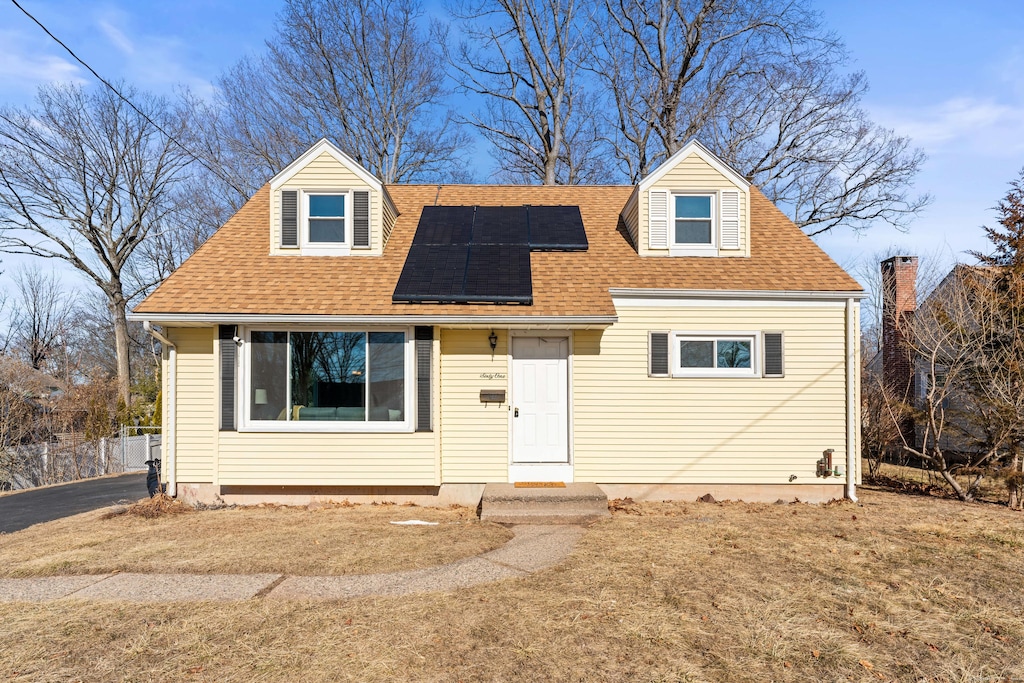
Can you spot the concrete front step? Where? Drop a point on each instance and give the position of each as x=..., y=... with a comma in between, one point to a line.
x=573, y=504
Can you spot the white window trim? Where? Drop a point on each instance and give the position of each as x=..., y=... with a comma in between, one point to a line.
x=324, y=248
x=710, y=249
x=243, y=386
x=702, y=335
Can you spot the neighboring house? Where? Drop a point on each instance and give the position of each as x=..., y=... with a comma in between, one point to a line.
x=27, y=399
x=908, y=376
x=34, y=385
x=338, y=337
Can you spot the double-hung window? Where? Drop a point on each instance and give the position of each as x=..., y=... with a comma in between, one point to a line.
x=694, y=228
x=327, y=218
x=326, y=222
x=333, y=380
x=715, y=355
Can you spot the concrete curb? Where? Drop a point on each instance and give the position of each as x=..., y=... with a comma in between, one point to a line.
x=532, y=548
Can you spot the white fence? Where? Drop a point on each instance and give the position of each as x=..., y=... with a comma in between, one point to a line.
x=70, y=460
x=138, y=445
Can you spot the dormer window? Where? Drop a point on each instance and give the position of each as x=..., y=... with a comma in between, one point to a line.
x=692, y=205
x=694, y=230
x=326, y=204
x=325, y=222
x=326, y=219
x=694, y=220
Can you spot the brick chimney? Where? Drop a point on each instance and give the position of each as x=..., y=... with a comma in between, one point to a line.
x=899, y=302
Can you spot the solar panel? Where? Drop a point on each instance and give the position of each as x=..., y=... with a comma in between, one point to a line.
x=481, y=254
x=499, y=273
x=432, y=272
x=445, y=225
x=557, y=228
x=501, y=225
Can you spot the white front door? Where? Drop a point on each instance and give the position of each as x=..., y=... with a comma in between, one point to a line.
x=540, y=400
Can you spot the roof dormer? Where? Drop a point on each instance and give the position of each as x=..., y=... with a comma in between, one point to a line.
x=326, y=204
x=694, y=204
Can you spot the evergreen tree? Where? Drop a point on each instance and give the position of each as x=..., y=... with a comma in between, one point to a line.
x=998, y=373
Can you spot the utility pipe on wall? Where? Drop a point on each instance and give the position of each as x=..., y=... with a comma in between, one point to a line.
x=170, y=450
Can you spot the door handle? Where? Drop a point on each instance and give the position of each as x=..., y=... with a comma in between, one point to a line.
x=516, y=413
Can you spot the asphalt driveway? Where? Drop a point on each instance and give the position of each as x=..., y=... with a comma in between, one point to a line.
x=22, y=510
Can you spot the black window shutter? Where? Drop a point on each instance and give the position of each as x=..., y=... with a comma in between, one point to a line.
x=658, y=355
x=228, y=353
x=289, y=218
x=361, y=220
x=773, y=366
x=424, y=344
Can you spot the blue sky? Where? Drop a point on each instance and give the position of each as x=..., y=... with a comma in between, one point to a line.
x=948, y=74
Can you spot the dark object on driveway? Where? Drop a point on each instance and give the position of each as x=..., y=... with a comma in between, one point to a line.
x=153, y=477
x=25, y=508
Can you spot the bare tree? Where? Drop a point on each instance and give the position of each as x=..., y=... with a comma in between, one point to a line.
x=18, y=387
x=524, y=57
x=759, y=82
x=42, y=314
x=51, y=434
x=930, y=273
x=84, y=179
x=363, y=73
x=882, y=413
x=998, y=372
x=946, y=337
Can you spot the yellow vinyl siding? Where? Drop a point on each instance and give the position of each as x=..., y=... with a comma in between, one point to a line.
x=195, y=404
x=627, y=427
x=324, y=173
x=631, y=217
x=390, y=214
x=327, y=459
x=474, y=437
x=282, y=459
x=631, y=428
x=693, y=174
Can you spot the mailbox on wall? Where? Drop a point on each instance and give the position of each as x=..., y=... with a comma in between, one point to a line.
x=492, y=395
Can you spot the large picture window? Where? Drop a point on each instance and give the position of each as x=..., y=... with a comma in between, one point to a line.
x=327, y=377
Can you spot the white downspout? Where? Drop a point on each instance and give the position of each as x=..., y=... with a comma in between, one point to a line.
x=851, y=399
x=170, y=452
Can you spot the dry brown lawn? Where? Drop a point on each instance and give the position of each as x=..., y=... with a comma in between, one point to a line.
x=286, y=540
x=990, y=489
x=898, y=587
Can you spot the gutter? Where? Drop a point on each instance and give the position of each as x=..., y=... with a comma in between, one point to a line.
x=622, y=292
x=851, y=401
x=170, y=402
x=512, y=321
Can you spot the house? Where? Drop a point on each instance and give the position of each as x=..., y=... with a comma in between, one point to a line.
x=338, y=337
x=927, y=351
x=29, y=415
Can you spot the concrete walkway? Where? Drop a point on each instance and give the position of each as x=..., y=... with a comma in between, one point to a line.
x=532, y=548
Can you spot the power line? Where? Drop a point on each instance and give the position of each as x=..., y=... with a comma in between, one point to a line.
x=202, y=162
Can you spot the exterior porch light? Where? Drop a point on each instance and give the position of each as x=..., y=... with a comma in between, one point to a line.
x=493, y=339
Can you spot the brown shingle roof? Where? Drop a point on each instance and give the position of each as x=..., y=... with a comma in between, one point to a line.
x=234, y=273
